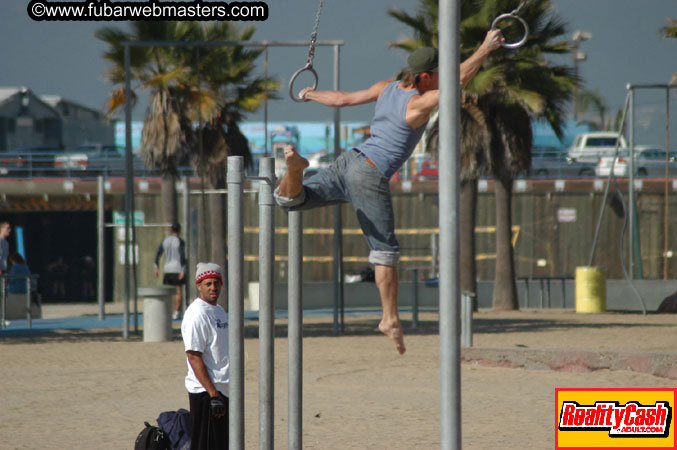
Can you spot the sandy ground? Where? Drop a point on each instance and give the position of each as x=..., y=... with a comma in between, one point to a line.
x=92, y=389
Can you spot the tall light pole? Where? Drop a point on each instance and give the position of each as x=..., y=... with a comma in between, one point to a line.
x=578, y=56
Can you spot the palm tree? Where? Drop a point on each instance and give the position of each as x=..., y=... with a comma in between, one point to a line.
x=224, y=89
x=166, y=137
x=670, y=31
x=514, y=87
x=592, y=101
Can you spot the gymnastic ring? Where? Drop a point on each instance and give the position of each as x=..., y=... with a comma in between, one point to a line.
x=310, y=69
x=507, y=16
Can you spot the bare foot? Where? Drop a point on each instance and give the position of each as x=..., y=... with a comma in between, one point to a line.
x=294, y=161
x=395, y=333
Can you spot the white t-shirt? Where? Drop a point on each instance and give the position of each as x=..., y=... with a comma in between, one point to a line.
x=205, y=329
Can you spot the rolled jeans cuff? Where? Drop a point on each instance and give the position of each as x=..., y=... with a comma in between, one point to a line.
x=384, y=258
x=288, y=202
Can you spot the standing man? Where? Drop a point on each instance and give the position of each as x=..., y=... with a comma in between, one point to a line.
x=5, y=230
x=361, y=176
x=205, y=337
x=174, y=269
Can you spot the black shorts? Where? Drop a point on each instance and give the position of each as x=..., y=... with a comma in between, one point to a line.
x=172, y=279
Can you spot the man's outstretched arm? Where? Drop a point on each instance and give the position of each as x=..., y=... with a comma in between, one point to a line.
x=421, y=107
x=341, y=98
x=471, y=66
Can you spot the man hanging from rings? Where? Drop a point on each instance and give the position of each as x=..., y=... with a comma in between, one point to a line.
x=361, y=176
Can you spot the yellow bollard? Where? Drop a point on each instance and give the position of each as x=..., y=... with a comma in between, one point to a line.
x=590, y=290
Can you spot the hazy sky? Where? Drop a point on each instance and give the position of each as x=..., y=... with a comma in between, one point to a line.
x=64, y=58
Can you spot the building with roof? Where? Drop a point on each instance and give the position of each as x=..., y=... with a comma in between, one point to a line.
x=28, y=121
x=81, y=124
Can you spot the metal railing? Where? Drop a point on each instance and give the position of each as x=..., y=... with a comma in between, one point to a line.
x=28, y=165
x=3, y=296
x=545, y=285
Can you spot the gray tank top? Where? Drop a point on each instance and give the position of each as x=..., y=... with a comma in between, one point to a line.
x=392, y=140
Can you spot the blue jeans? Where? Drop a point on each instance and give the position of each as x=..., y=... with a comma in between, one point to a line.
x=351, y=179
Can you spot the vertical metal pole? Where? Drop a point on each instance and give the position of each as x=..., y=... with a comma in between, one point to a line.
x=235, y=301
x=295, y=333
x=414, y=298
x=29, y=311
x=435, y=254
x=631, y=187
x=667, y=191
x=338, y=225
x=467, y=299
x=100, y=245
x=449, y=189
x=3, y=301
x=129, y=188
x=266, y=305
x=185, y=182
x=265, y=102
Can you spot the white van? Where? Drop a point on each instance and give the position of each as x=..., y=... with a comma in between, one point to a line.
x=590, y=147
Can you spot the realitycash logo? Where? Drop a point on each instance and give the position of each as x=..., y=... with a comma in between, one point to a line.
x=615, y=418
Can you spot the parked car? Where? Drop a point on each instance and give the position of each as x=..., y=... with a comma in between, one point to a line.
x=549, y=162
x=429, y=170
x=26, y=162
x=11, y=164
x=590, y=147
x=649, y=162
x=97, y=159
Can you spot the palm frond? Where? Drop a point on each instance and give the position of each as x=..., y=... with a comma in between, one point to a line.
x=670, y=30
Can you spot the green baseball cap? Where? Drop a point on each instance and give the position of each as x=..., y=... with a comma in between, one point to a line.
x=423, y=60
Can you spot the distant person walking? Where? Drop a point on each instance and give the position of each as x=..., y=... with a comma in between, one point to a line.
x=58, y=271
x=174, y=249
x=5, y=230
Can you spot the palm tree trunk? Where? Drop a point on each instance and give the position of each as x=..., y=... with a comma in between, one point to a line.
x=468, y=269
x=217, y=219
x=168, y=196
x=505, y=290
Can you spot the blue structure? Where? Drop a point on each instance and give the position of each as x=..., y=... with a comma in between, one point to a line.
x=544, y=136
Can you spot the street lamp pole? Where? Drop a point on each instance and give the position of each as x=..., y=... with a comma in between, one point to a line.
x=578, y=56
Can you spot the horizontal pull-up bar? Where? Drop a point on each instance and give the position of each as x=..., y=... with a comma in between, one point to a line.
x=631, y=86
x=225, y=43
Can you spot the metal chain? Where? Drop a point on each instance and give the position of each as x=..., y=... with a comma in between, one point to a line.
x=313, y=36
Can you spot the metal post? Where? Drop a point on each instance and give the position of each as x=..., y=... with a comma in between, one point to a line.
x=235, y=301
x=295, y=333
x=449, y=194
x=100, y=245
x=338, y=225
x=435, y=254
x=185, y=182
x=129, y=187
x=29, y=312
x=265, y=102
x=467, y=299
x=667, y=191
x=266, y=305
x=631, y=187
x=414, y=298
x=3, y=301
